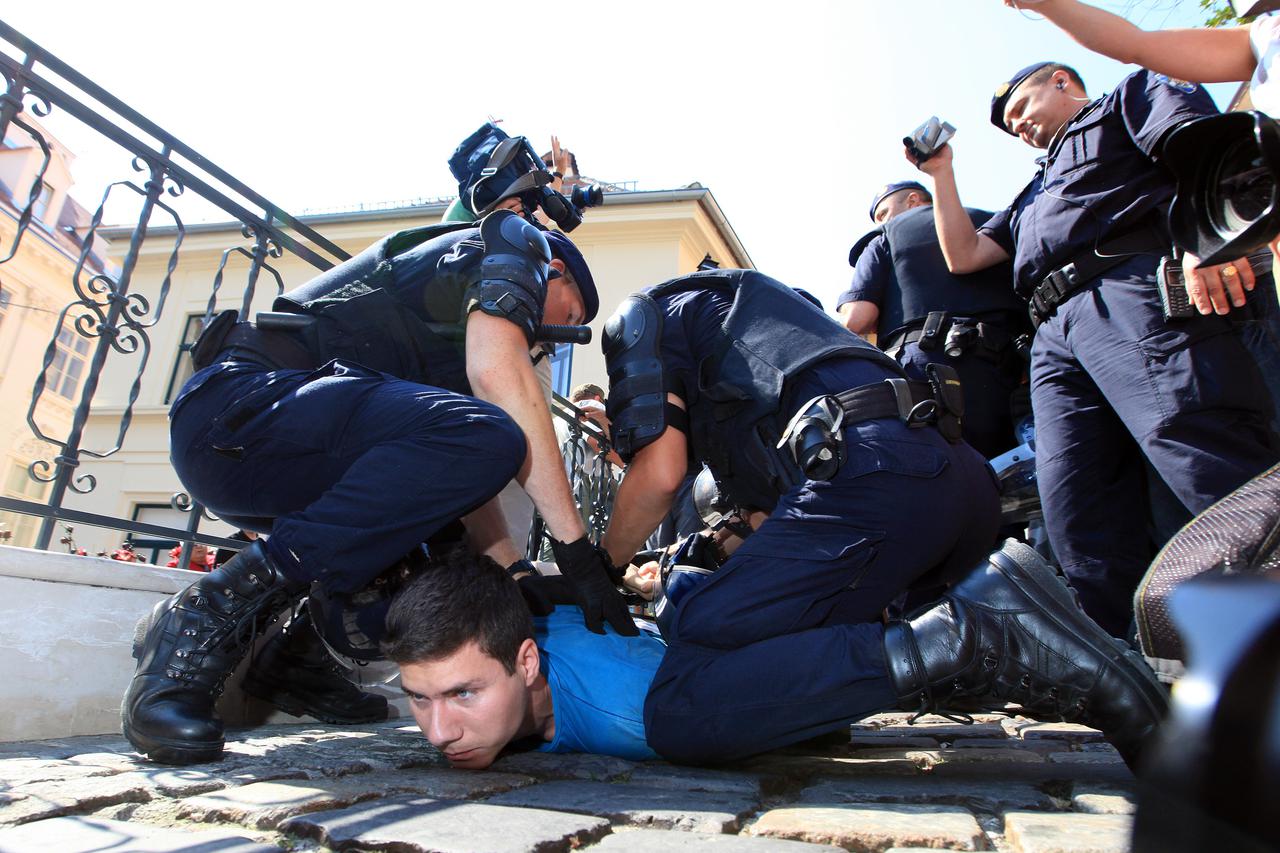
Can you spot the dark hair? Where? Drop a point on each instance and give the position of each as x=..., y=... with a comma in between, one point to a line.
x=459, y=598
x=1049, y=70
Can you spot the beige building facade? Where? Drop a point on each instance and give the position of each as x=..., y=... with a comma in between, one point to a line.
x=35, y=286
x=635, y=239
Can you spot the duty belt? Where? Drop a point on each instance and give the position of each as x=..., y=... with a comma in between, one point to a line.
x=990, y=338
x=227, y=338
x=1069, y=279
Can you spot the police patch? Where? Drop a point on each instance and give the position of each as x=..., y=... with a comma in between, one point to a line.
x=1001, y=90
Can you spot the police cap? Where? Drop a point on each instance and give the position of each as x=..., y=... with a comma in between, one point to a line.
x=562, y=247
x=1005, y=90
x=890, y=189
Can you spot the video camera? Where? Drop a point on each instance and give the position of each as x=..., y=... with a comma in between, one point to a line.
x=1228, y=185
x=926, y=139
x=491, y=166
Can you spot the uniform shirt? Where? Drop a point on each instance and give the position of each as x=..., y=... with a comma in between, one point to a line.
x=1098, y=178
x=915, y=243
x=598, y=685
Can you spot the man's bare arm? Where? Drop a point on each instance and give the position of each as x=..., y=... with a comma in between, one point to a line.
x=500, y=372
x=1202, y=55
x=646, y=493
x=860, y=317
x=965, y=248
x=488, y=534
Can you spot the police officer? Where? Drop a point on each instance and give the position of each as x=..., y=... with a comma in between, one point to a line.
x=1110, y=379
x=862, y=489
x=406, y=400
x=921, y=314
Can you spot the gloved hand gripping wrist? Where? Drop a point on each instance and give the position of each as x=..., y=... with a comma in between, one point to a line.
x=592, y=575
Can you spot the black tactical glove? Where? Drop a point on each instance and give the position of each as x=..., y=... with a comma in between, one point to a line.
x=543, y=593
x=591, y=573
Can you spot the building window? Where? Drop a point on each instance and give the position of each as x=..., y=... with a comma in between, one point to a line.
x=41, y=207
x=146, y=546
x=19, y=484
x=562, y=369
x=182, y=366
x=63, y=375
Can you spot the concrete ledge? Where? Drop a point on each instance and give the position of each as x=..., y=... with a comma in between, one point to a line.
x=91, y=571
x=66, y=627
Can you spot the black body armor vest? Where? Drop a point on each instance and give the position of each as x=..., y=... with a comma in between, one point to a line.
x=413, y=331
x=770, y=335
x=924, y=284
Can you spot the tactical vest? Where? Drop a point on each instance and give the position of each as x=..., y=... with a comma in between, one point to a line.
x=770, y=335
x=413, y=331
x=923, y=283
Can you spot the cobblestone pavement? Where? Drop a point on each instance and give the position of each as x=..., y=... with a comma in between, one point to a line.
x=1003, y=783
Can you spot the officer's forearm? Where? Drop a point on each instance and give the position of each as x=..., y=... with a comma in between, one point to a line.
x=1203, y=55
x=500, y=372
x=645, y=495
x=638, y=509
x=956, y=234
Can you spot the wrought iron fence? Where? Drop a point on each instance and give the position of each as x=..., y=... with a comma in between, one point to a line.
x=103, y=310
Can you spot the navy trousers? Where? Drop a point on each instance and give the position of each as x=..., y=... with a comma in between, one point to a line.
x=784, y=642
x=988, y=388
x=346, y=468
x=1111, y=381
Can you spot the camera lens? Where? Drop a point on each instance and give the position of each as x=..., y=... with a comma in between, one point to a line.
x=587, y=196
x=1244, y=189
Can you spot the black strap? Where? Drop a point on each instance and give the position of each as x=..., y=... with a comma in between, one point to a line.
x=892, y=398
x=1069, y=279
x=272, y=349
x=992, y=339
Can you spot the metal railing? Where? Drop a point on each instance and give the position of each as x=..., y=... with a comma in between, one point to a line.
x=103, y=308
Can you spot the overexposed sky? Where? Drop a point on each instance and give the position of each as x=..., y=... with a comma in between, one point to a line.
x=790, y=112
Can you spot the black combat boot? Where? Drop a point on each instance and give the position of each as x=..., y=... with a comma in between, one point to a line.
x=187, y=647
x=295, y=672
x=1012, y=632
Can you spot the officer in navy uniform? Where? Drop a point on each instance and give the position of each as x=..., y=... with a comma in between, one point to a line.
x=1111, y=379
x=407, y=400
x=921, y=314
x=861, y=488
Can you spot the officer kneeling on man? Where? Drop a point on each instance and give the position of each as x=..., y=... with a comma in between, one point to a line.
x=406, y=401
x=860, y=489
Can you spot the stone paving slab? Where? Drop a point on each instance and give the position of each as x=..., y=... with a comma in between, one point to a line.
x=74, y=796
x=93, y=835
x=447, y=826
x=872, y=828
x=652, y=841
x=1006, y=783
x=545, y=765
x=265, y=804
x=639, y=805
x=995, y=796
x=1031, y=832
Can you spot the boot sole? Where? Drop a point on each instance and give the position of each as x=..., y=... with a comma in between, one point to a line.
x=291, y=704
x=164, y=751
x=1026, y=570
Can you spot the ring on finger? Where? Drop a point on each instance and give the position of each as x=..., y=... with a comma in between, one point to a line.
x=1230, y=271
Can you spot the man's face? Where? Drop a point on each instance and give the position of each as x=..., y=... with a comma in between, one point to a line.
x=896, y=203
x=564, y=302
x=1037, y=111
x=467, y=704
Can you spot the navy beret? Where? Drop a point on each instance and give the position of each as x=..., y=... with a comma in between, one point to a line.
x=562, y=247
x=889, y=189
x=1001, y=95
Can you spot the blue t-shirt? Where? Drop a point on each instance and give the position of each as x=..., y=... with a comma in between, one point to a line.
x=598, y=685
